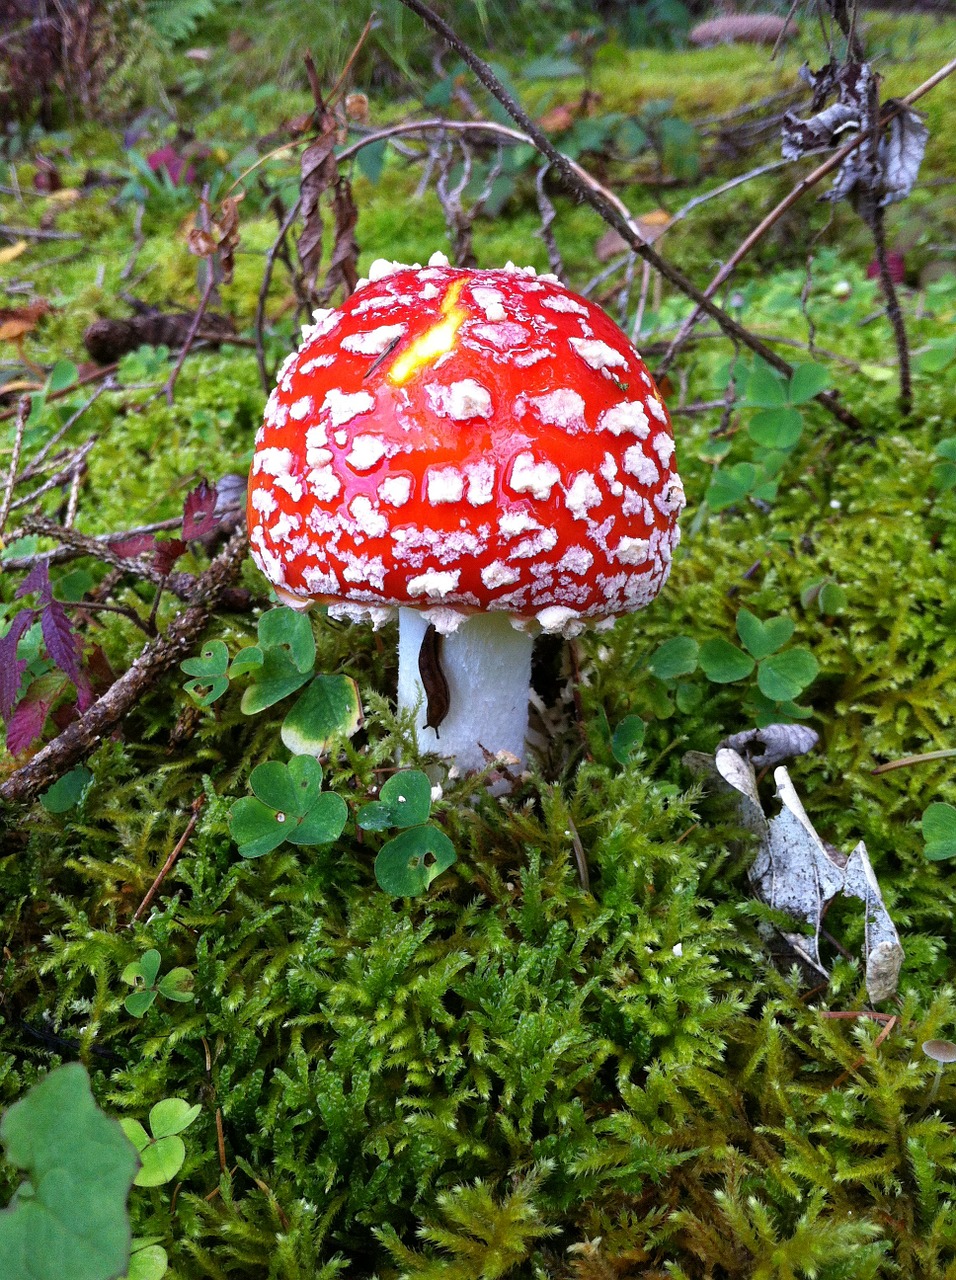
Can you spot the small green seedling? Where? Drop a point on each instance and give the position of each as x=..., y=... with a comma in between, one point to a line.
x=939, y=832
x=828, y=596
x=161, y=1150
x=279, y=665
x=209, y=670
x=778, y=424
x=68, y=791
x=143, y=974
x=627, y=738
x=69, y=1216
x=288, y=804
x=407, y=863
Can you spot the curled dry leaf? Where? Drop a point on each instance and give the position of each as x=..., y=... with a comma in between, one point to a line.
x=772, y=744
x=798, y=873
x=877, y=172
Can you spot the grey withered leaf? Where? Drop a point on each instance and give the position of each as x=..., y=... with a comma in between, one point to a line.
x=773, y=743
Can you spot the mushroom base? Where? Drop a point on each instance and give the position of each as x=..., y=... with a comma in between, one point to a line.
x=487, y=665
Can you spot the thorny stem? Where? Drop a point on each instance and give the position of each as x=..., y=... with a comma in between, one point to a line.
x=775, y=214
x=615, y=213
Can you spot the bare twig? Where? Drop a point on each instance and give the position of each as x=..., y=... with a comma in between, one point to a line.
x=170, y=862
x=85, y=734
x=193, y=332
x=803, y=186
x=893, y=311
x=34, y=466
x=548, y=214
x=904, y=762
x=23, y=411
x=35, y=233
x=614, y=212
x=259, y=328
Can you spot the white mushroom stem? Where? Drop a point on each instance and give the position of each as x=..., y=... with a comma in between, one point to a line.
x=487, y=665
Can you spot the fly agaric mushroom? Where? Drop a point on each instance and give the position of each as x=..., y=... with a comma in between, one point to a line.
x=484, y=451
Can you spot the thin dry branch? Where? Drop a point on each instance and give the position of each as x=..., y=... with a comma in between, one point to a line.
x=803, y=186
x=614, y=213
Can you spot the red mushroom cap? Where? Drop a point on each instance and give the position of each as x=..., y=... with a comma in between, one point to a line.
x=459, y=441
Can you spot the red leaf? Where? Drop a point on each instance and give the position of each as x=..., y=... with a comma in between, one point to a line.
x=63, y=644
x=168, y=551
x=26, y=724
x=12, y=667
x=37, y=580
x=199, y=512
x=895, y=266
x=134, y=545
x=168, y=158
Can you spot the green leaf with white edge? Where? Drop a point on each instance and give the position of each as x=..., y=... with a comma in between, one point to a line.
x=723, y=663
x=408, y=863
x=766, y=389
x=249, y=658
x=171, y=1115
x=763, y=638
x=69, y=1218
x=148, y=1260
x=161, y=1158
x=277, y=678
x=807, y=381
x=329, y=708
x=291, y=630
x=404, y=801
x=939, y=832
x=176, y=985
x=675, y=657
x=627, y=738
x=776, y=428
x=784, y=676
x=68, y=791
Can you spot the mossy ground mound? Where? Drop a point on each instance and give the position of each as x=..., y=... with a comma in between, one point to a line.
x=512, y=1075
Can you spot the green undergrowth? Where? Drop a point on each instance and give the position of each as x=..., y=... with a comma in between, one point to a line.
x=517, y=1073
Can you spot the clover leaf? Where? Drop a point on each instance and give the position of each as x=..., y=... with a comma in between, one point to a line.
x=404, y=801
x=939, y=832
x=161, y=1151
x=144, y=975
x=409, y=862
x=288, y=803
x=209, y=669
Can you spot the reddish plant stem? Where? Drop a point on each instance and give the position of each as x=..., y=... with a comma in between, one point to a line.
x=170, y=862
